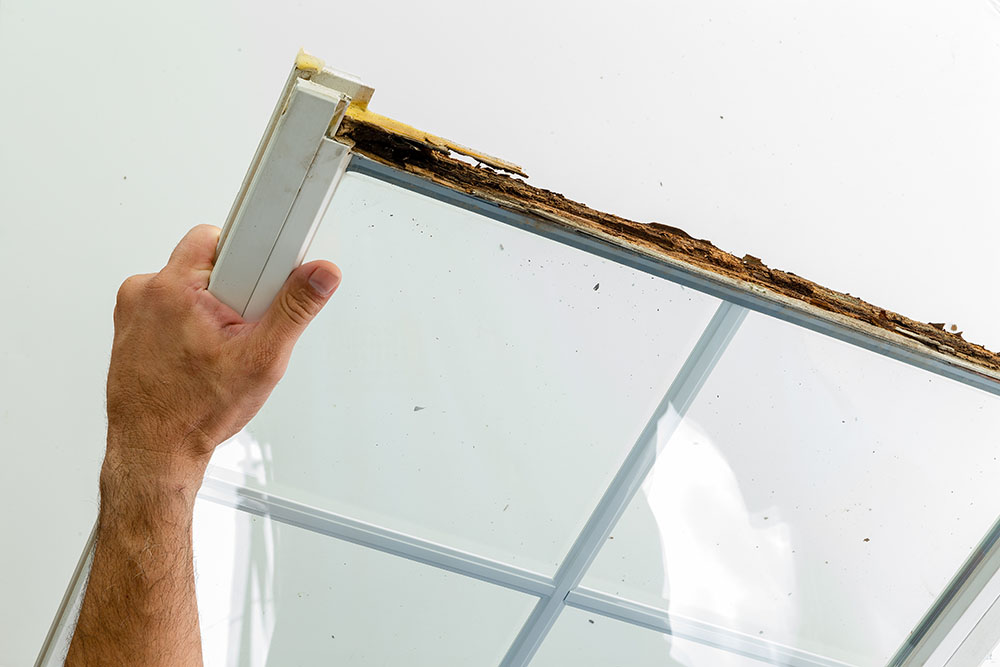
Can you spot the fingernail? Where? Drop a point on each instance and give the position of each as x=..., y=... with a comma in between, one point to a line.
x=324, y=281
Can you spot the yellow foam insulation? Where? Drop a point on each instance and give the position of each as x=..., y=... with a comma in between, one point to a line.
x=437, y=143
x=307, y=62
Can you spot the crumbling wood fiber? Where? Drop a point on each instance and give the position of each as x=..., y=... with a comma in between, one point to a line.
x=501, y=189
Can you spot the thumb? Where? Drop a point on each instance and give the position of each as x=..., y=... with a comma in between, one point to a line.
x=303, y=295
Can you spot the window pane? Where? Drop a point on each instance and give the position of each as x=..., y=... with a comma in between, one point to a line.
x=817, y=495
x=583, y=638
x=470, y=383
x=272, y=594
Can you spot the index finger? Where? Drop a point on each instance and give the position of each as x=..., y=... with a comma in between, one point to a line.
x=196, y=251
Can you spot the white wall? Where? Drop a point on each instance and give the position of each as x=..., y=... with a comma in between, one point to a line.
x=853, y=143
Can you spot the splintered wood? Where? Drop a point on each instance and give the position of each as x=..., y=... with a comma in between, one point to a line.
x=657, y=240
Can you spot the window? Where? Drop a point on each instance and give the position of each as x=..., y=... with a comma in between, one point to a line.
x=525, y=431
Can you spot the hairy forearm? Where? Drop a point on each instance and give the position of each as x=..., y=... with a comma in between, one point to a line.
x=140, y=607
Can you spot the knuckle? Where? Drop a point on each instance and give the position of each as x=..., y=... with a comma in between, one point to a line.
x=296, y=307
x=128, y=289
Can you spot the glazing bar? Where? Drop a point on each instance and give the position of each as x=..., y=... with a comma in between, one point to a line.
x=637, y=464
x=231, y=494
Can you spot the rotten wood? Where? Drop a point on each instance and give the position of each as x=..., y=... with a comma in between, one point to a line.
x=382, y=145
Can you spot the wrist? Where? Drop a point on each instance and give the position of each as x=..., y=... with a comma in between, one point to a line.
x=137, y=511
x=156, y=452
x=145, y=478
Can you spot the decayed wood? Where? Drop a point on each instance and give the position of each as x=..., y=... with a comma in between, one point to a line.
x=383, y=145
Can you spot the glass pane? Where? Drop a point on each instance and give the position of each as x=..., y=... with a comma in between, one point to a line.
x=272, y=594
x=817, y=495
x=583, y=638
x=471, y=383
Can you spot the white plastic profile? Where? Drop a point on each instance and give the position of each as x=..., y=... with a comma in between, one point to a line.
x=300, y=226
x=285, y=194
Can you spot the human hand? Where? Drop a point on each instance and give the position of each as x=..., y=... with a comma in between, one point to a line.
x=187, y=372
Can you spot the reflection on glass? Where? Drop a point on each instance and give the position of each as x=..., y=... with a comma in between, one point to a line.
x=583, y=638
x=235, y=565
x=470, y=383
x=271, y=594
x=817, y=496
